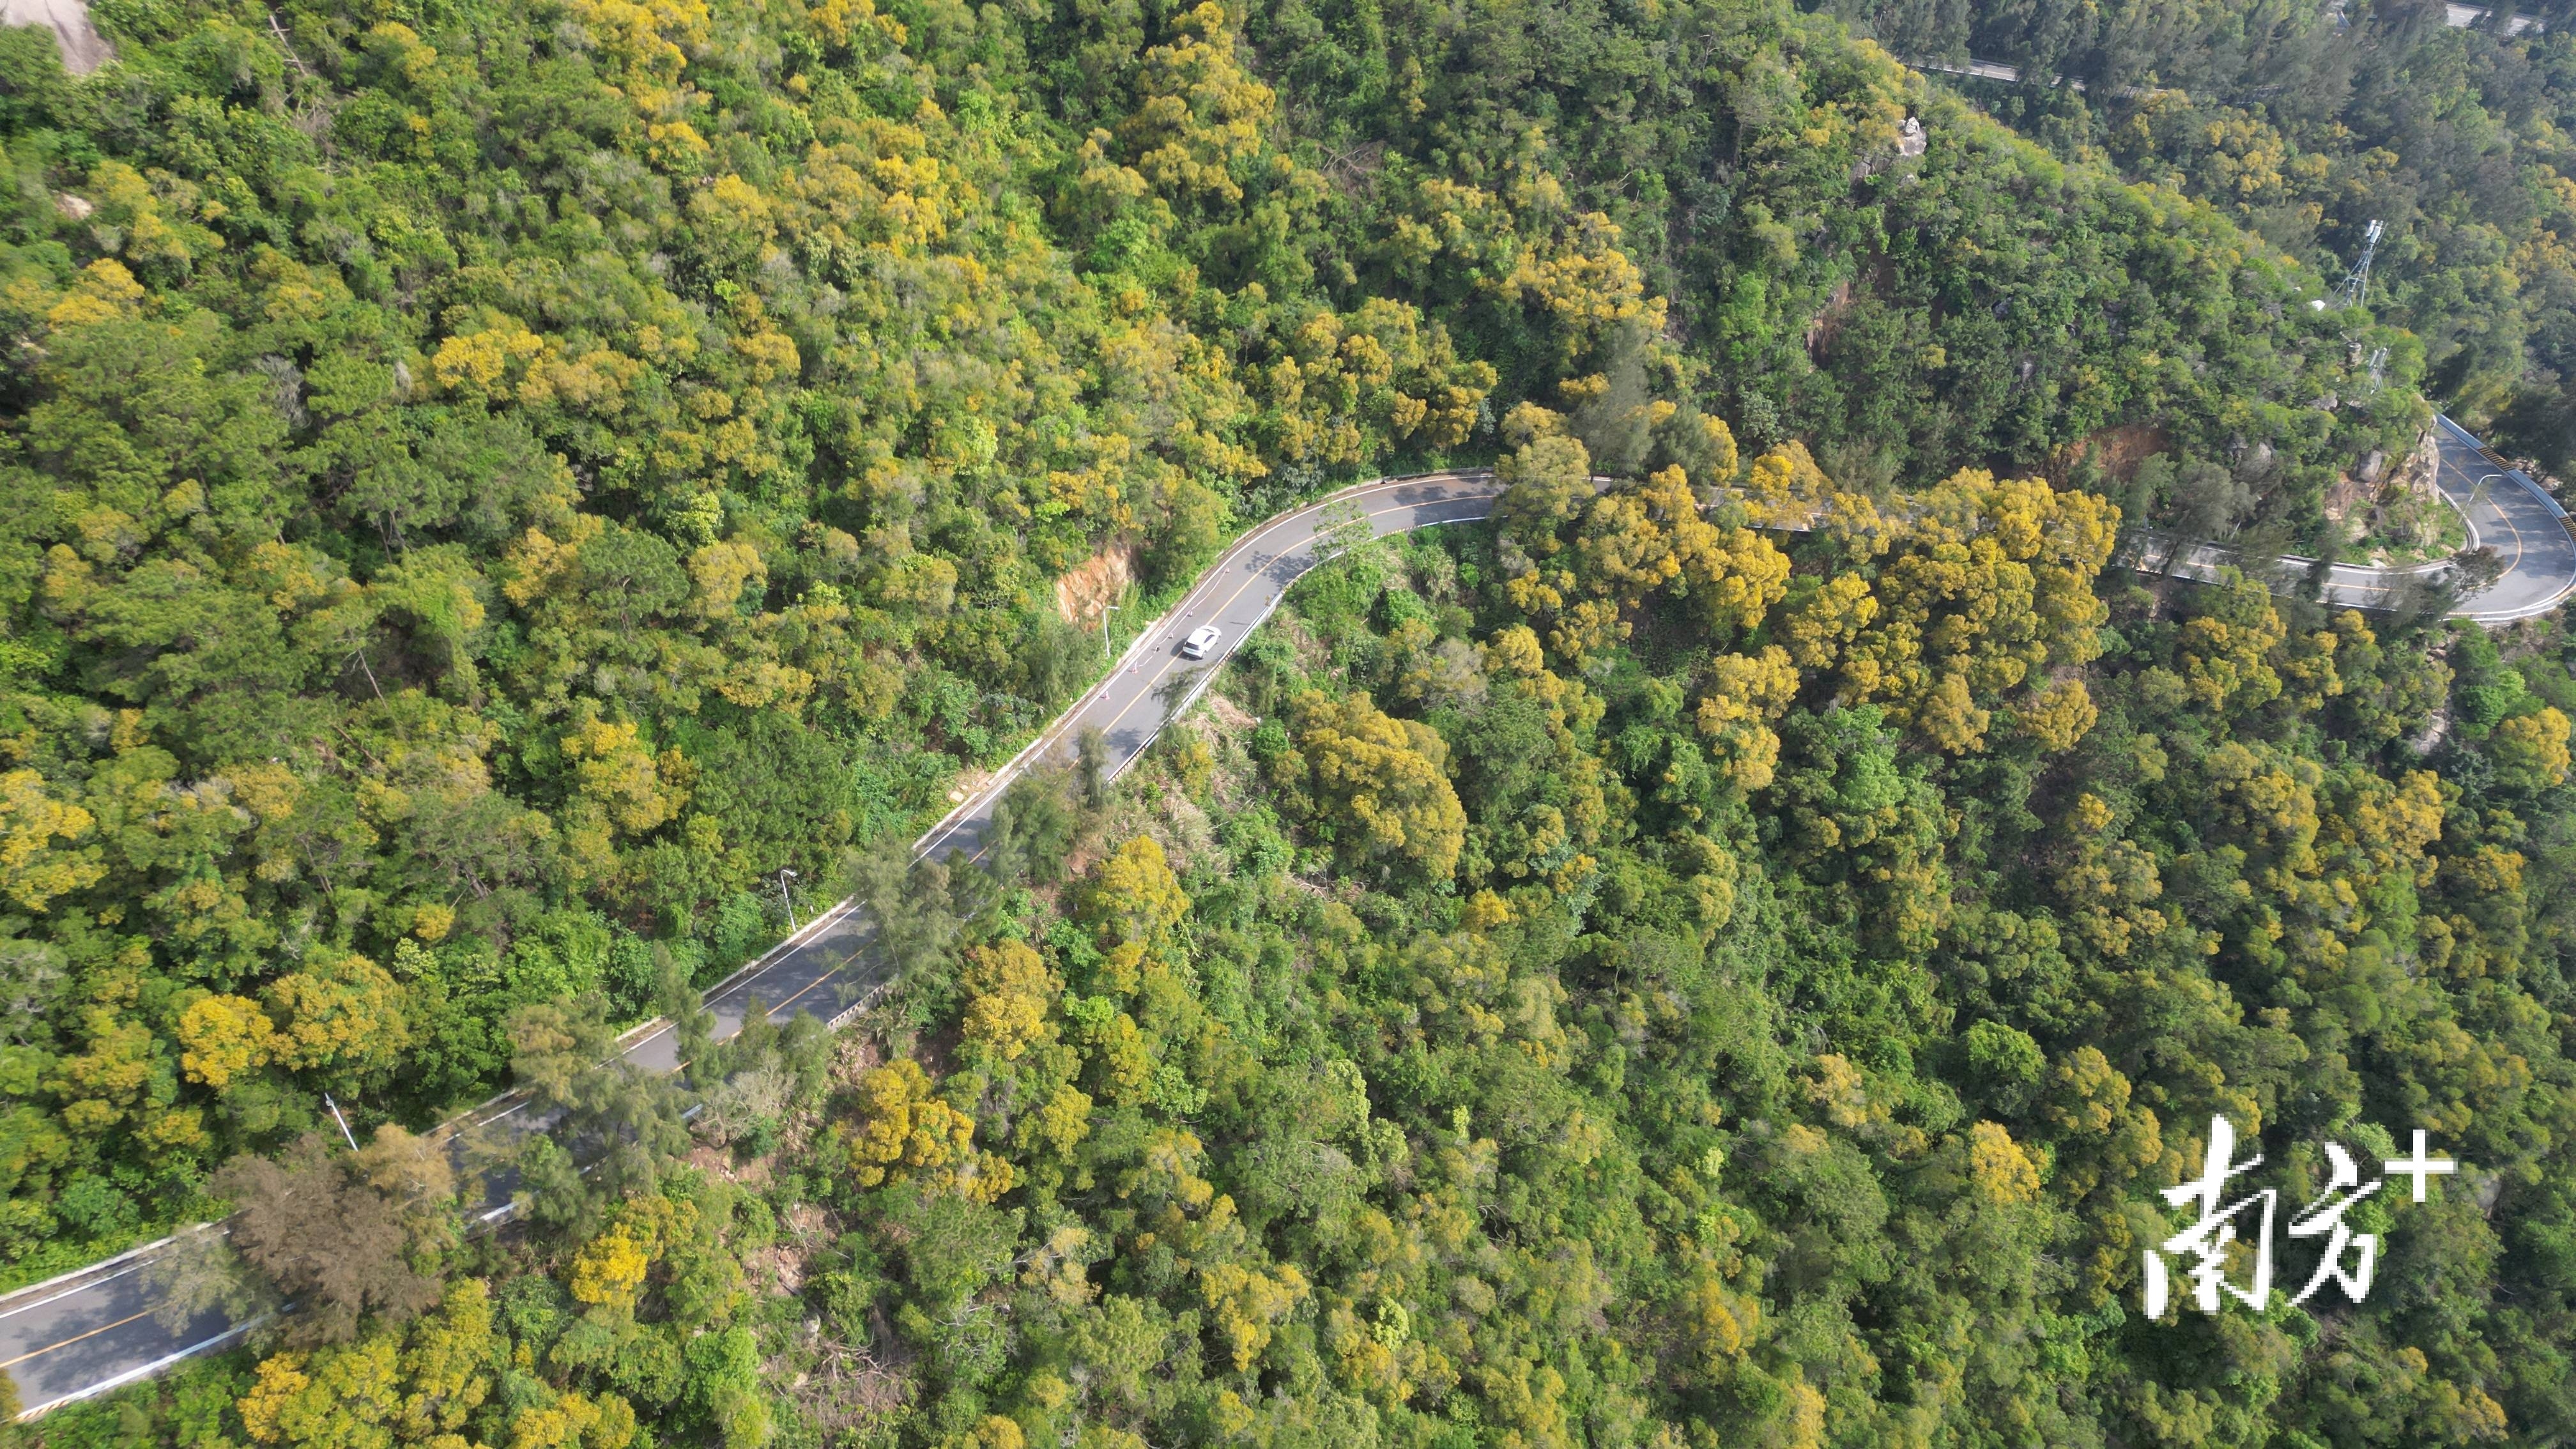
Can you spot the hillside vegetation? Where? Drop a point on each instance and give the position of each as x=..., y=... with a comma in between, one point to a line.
x=2305, y=123
x=489, y=486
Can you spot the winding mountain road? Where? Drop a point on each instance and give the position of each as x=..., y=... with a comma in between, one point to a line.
x=94, y=1330
x=2506, y=511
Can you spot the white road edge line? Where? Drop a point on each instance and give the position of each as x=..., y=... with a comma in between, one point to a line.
x=142, y=1371
x=751, y=972
x=79, y=1288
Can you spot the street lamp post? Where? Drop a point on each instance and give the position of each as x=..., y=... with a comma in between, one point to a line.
x=784, y=876
x=1105, y=611
x=343, y=1121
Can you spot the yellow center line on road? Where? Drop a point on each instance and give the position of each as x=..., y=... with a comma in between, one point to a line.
x=75, y=1338
x=1165, y=670
x=1244, y=544
x=2492, y=507
x=742, y=987
x=2501, y=516
x=2468, y=489
x=2517, y=540
x=781, y=1006
x=810, y=985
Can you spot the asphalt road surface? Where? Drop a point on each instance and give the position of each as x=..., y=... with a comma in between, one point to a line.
x=2513, y=515
x=95, y=1330
x=1155, y=681
x=2506, y=512
x=92, y=1331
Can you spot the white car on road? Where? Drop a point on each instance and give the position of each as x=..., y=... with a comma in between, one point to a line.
x=1201, y=640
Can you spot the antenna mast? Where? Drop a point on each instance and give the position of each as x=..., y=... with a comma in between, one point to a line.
x=2356, y=283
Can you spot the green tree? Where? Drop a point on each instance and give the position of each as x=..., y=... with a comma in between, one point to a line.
x=616, y=1128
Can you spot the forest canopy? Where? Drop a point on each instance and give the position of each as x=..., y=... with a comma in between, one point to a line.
x=490, y=487
x=2304, y=125
x=1727, y=951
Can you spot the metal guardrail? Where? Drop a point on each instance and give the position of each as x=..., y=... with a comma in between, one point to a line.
x=1001, y=779
x=505, y=1103
x=855, y=1008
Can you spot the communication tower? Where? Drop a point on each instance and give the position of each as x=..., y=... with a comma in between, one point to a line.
x=2356, y=283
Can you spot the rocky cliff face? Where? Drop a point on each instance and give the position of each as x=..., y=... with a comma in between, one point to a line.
x=2389, y=508
x=84, y=49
